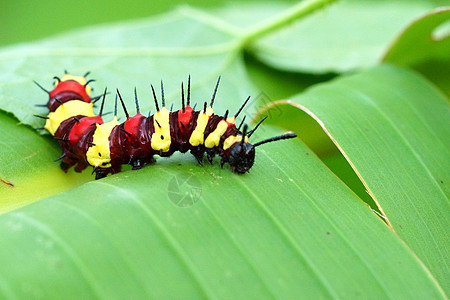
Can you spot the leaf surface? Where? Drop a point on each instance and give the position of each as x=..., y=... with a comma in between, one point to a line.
x=290, y=228
x=392, y=127
x=343, y=37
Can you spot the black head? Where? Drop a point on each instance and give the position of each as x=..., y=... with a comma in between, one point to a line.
x=242, y=154
x=242, y=157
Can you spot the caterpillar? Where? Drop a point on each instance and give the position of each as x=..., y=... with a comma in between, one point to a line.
x=86, y=140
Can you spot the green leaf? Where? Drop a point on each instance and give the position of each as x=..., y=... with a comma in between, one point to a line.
x=425, y=46
x=168, y=47
x=345, y=36
x=28, y=172
x=289, y=229
x=121, y=56
x=125, y=56
x=124, y=236
x=419, y=42
x=392, y=127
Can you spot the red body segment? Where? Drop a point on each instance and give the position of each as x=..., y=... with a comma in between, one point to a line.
x=80, y=128
x=66, y=91
x=75, y=137
x=184, y=117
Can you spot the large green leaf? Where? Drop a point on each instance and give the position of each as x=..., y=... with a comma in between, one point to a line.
x=123, y=236
x=290, y=228
x=392, y=127
x=125, y=56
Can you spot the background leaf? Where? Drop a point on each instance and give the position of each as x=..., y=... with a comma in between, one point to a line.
x=124, y=237
x=425, y=46
x=125, y=56
x=345, y=36
x=398, y=144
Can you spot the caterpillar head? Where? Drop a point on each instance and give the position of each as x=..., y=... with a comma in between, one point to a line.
x=242, y=155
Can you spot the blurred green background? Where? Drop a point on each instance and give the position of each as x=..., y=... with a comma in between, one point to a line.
x=27, y=20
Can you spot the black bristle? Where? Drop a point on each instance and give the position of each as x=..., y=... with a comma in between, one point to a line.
x=41, y=87
x=182, y=97
x=136, y=100
x=188, y=101
x=61, y=157
x=61, y=139
x=123, y=104
x=242, y=122
x=242, y=107
x=103, y=102
x=42, y=117
x=124, y=131
x=89, y=81
x=162, y=95
x=225, y=116
x=215, y=91
x=256, y=127
x=154, y=97
x=244, y=132
x=115, y=107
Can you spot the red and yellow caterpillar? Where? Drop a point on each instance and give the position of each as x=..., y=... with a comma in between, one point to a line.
x=86, y=140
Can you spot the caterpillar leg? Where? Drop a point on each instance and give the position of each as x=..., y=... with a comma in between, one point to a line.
x=198, y=154
x=135, y=162
x=138, y=162
x=210, y=155
x=66, y=163
x=80, y=167
x=101, y=173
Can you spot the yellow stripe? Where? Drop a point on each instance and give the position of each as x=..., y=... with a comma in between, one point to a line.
x=99, y=154
x=231, y=120
x=231, y=140
x=197, y=136
x=67, y=110
x=161, y=136
x=213, y=138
